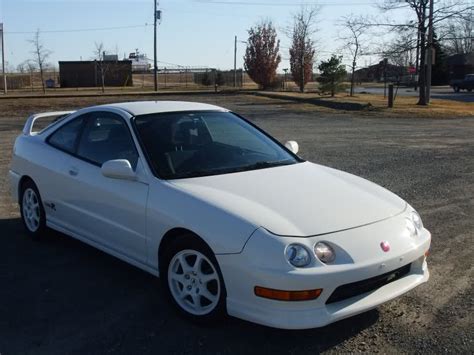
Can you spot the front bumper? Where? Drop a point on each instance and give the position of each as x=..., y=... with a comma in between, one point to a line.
x=262, y=263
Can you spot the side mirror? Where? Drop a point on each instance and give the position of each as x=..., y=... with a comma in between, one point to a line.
x=118, y=169
x=292, y=146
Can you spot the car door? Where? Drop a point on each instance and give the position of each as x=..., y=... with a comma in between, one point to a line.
x=111, y=212
x=52, y=174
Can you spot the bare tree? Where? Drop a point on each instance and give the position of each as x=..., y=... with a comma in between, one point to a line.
x=21, y=68
x=459, y=35
x=354, y=41
x=41, y=55
x=444, y=10
x=401, y=51
x=31, y=66
x=102, y=67
x=302, y=51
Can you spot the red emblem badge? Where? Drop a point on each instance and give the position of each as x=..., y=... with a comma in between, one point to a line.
x=385, y=246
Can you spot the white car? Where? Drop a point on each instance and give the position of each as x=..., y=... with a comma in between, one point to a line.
x=231, y=220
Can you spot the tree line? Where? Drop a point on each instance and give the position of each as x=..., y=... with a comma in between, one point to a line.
x=453, y=33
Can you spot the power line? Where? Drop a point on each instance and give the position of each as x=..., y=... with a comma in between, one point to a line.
x=273, y=4
x=80, y=29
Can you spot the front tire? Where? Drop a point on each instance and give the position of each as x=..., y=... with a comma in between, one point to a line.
x=192, y=279
x=31, y=209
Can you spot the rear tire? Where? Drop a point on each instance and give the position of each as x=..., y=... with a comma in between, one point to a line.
x=192, y=280
x=32, y=211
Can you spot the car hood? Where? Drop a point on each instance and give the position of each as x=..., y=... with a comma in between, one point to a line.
x=303, y=199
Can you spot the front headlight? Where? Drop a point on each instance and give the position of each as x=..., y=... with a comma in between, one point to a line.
x=324, y=252
x=297, y=255
x=411, y=227
x=414, y=224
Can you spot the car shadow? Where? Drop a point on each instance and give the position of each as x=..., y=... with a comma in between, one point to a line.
x=63, y=296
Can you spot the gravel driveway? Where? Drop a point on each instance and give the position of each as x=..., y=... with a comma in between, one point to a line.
x=60, y=296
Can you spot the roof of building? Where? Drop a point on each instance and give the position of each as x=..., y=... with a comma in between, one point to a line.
x=147, y=107
x=461, y=59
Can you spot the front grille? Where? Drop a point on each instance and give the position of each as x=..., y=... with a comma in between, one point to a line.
x=358, y=288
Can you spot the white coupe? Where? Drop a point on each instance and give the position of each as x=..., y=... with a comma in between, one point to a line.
x=231, y=220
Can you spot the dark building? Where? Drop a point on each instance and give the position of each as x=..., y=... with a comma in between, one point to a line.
x=379, y=71
x=88, y=73
x=460, y=65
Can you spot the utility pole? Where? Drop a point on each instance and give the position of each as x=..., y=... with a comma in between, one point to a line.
x=235, y=61
x=155, y=62
x=284, y=78
x=417, y=59
x=3, y=61
x=430, y=53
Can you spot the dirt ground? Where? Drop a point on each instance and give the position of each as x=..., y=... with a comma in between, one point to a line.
x=60, y=296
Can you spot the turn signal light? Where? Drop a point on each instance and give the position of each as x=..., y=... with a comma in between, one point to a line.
x=287, y=295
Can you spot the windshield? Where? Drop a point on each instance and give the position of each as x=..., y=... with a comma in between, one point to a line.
x=190, y=144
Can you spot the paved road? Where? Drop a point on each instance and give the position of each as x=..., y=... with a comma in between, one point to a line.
x=444, y=92
x=60, y=296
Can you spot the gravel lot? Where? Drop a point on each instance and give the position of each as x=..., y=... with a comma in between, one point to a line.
x=60, y=296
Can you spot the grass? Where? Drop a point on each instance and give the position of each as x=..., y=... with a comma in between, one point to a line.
x=372, y=105
x=404, y=106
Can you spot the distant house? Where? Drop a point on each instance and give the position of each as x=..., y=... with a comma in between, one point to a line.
x=460, y=65
x=88, y=74
x=380, y=71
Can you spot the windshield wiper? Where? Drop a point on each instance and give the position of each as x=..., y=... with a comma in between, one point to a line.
x=266, y=164
x=255, y=166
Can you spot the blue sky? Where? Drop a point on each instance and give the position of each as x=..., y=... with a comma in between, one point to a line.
x=191, y=33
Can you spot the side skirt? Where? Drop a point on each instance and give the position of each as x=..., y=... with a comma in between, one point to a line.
x=103, y=248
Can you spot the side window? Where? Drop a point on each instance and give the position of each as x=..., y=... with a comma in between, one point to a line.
x=65, y=138
x=106, y=137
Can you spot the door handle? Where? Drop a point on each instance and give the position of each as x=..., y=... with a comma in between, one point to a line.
x=73, y=171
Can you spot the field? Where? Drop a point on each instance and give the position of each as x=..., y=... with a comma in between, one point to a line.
x=61, y=296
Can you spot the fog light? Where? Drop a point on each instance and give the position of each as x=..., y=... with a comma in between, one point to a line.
x=287, y=295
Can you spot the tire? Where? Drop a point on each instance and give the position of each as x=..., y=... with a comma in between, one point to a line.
x=197, y=291
x=470, y=90
x=456, y=88
x=32, y=211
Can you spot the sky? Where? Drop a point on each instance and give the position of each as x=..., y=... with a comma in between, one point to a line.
x=191, y=33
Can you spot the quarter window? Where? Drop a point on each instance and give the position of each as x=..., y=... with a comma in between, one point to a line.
x=106, y=137
x=65, y=138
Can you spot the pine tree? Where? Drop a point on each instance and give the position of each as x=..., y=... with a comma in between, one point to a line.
x=333, y=73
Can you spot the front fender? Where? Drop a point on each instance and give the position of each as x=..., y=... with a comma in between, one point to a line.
x=169, y=207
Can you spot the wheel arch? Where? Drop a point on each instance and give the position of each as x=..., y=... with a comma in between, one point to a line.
x=171, y=236
x=21, y=182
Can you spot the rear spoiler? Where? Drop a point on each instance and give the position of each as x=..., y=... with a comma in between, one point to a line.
x=28, y=129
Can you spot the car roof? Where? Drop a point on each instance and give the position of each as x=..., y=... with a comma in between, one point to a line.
x=147, y=107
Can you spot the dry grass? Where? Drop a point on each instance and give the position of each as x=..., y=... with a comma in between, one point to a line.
x=405, y=106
